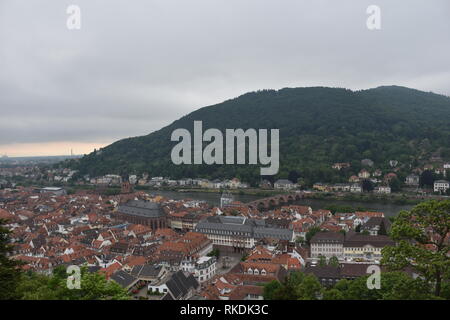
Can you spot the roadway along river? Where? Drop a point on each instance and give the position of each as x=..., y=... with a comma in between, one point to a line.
x=390, y=209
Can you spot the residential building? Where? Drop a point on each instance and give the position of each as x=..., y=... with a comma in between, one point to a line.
x=377, y=226
x=226, y=199
x=56, y=191
x=178, y=287
x=147, y=213
x=203, y=268
x=284, y=184
x=382, y=189
x=124, y=279
x=364, y=174
x=441, y=186
x=239, y=233
x=327, y=244
x=152, y=273
x=356, y=187
x=360, y=247
x=327, y=275
x=412, y=180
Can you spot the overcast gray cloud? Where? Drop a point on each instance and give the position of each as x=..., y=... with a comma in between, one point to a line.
x=138, y=65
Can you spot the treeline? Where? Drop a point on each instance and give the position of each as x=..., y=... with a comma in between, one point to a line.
x=393, y=286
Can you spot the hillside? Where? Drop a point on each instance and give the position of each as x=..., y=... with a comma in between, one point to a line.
x=318, y=126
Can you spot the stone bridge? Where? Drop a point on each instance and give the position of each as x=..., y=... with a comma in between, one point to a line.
x=275, y=201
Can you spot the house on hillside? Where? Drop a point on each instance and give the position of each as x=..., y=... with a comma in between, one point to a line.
x=441, y=186
x=177, y=287
x=284, y=184
x=412, y=180
x=382, y=189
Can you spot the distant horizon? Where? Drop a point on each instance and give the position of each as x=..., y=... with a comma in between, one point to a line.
x=46, y=156
x=84, y=88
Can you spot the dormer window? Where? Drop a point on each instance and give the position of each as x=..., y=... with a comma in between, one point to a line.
x=250, y=271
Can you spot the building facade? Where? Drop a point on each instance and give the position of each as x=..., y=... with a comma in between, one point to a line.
x=441, y=186
x=327, y=244
x=142, y=212
x=239, y=234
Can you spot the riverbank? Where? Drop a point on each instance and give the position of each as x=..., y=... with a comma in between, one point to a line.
x=256, y=193
x=399, y=199
x=391, y=205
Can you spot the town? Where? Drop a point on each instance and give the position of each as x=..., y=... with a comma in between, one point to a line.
x=432, y=178
x=160, y=248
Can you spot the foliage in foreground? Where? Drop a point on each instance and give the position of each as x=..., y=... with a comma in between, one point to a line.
x=16, y=284
x=422, y=247
x=423, y=244
x=394, y=286
x=93, y=286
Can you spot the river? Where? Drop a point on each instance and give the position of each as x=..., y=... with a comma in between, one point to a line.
x=389, y=209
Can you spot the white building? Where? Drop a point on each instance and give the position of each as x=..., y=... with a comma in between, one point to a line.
x=382, y=189
x=284, y=184
x=412, y=180
x=356, y=188
x=226, y=199
x=441, y=186
x=239, y=233
x=327, y=244
x=203, y=269
x=133, y=179
x=54, y=190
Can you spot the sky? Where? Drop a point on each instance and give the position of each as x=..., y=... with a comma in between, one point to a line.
x=136, y=66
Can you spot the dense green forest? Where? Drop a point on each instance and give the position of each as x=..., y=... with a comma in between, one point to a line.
x=318, y=126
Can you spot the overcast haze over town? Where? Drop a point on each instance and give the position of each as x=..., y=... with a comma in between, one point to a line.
x=136, y=67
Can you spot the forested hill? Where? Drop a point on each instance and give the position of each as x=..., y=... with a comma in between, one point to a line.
x=318, y=126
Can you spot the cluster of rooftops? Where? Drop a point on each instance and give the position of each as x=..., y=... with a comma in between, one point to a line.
x=242, y=226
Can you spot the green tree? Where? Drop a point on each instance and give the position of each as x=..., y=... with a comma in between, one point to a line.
x=421, y=234
x=333, y=294
x=309, y=288
x=9, y=269
x=367, y=185
x=214, y=253
x=334, y=261
x=287, y=289
x=93, y=286
x=311, y=232
x=395, y=184
x=426, y=179
x=270, y=289
x=296, y=286
x=322, y=261
x=393, y=286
